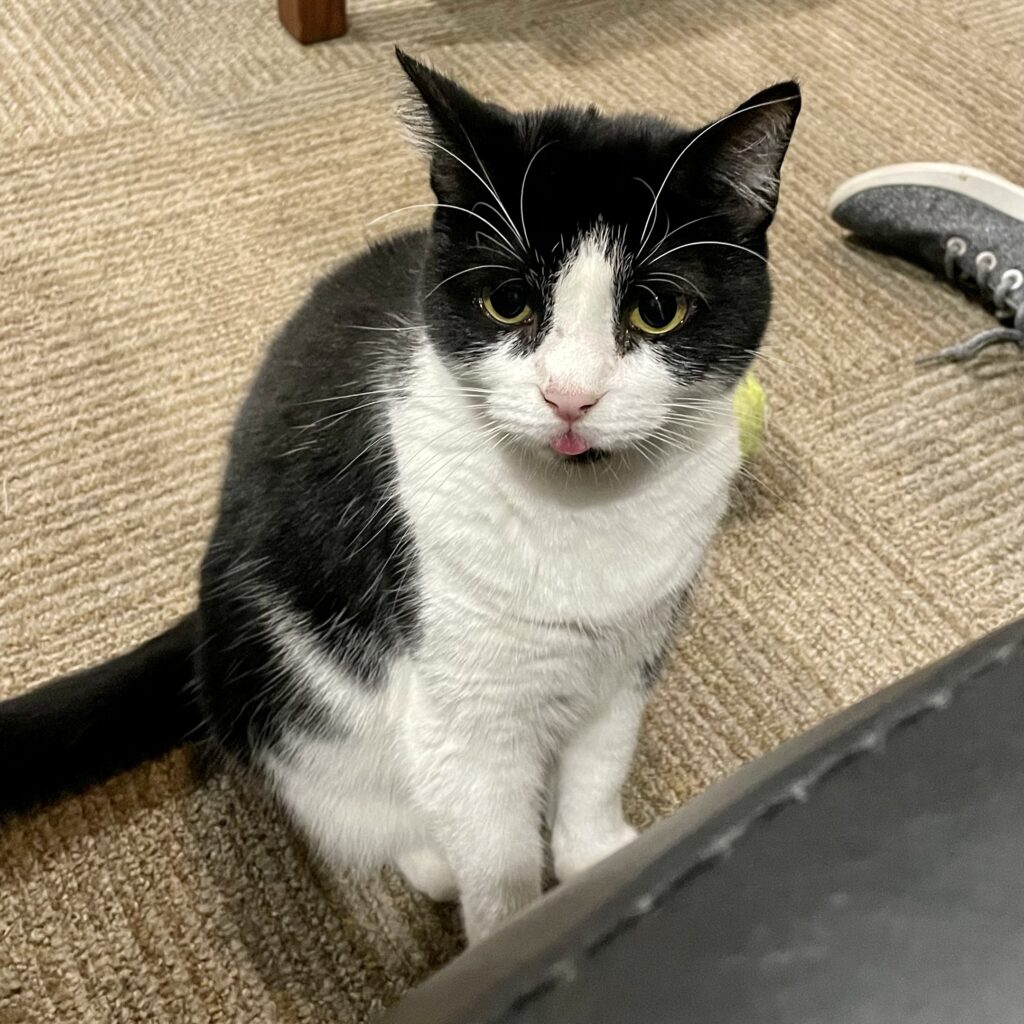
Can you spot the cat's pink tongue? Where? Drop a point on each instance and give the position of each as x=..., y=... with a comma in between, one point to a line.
x=570, y=444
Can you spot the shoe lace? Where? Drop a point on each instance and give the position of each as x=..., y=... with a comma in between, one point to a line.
x=1005, y=290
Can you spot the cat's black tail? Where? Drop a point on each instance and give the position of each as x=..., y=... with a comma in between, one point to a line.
x=82, y=728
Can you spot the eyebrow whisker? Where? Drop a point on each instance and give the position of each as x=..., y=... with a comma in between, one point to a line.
x=468, y=270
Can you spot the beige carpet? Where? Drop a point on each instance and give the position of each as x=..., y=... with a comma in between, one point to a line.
x=172, y=178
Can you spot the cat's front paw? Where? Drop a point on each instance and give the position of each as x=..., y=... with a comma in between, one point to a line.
x=574, y=852
x=427, y=870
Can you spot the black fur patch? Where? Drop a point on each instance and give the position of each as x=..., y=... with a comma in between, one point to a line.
x=307, y=515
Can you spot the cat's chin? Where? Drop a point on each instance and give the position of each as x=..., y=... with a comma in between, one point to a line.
x=590, y=455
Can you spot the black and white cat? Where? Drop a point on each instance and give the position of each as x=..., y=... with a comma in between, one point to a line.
x=466, y=498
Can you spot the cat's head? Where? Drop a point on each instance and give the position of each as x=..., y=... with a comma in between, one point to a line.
x=601, y=279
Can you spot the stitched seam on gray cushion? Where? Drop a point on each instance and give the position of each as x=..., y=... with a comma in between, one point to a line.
x=871, y=741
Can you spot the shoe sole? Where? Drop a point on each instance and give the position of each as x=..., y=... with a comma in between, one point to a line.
x=994, y=191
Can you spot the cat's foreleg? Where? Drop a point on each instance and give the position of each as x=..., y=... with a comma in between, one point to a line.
x=481, y=791
x=588, y=820
x=426, y=868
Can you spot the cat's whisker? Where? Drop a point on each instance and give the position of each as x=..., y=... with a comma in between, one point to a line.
x=696, y=402
x=508, y=280
x=444, y=206
x=498, y=248
x=692, y=417
x=652, y=210
x=483, y=205
x=777, y=359
x=404, y=209
x=661, y=241
x=489, y=182
x=679, y=431
x=486, y=184
x=641, y=446
x=376, y=441
x=297, y=449
x=669, y=234
x=667, y=278
x=646, y=184
x=670, y=442
x=367, y=327
x=690, y=245
x=688, y=419
x=401, y=389
x=353, y=394
x=522, y=188
x=468, y=270
x=716, y=402
x=696, y=412
x=326, y=421
x=747, y=472
x=614, y=473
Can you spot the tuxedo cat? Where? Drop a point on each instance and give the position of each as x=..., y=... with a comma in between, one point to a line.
x=466, y=498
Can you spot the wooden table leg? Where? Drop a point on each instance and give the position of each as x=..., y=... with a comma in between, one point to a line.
x=312, y=21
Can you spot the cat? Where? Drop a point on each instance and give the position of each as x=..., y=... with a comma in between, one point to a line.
x=466, y=499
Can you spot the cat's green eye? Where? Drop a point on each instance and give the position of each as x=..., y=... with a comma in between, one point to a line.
x=507, y=304
x=658, y=313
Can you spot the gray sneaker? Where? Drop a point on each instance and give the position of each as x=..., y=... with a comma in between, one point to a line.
x=965, y=223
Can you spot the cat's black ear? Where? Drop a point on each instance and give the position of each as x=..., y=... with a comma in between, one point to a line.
x=744, y=152
x=454, y=127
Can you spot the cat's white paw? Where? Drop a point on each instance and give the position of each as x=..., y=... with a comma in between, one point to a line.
x=427, y=870
x=575, y=852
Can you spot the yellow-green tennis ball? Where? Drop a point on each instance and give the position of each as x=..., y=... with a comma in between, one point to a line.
x=749, y=403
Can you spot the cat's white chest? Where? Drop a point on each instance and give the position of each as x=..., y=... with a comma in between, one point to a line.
x=495, y=538
x=540, y=559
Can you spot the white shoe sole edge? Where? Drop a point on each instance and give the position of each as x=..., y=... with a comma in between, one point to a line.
x=991, y=189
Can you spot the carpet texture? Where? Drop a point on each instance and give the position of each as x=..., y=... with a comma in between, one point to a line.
x=172, y=179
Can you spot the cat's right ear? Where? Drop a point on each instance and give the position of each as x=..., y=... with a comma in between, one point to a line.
x=454, y=127
x=743, y=154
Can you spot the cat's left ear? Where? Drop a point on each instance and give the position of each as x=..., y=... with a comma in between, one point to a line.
x=747, y=148
x=455, y=128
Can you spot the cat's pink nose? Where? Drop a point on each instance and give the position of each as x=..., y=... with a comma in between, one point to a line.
x=570, y=407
